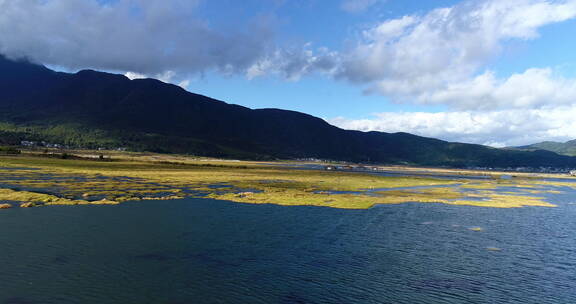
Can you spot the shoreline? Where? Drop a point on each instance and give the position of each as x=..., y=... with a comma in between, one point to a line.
x=42, y=181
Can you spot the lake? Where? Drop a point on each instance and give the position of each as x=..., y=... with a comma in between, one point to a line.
x=210, y=251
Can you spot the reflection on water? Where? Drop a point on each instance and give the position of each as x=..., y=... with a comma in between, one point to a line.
x=207, y=251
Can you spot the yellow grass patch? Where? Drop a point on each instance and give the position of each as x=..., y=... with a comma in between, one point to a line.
x=77, y=182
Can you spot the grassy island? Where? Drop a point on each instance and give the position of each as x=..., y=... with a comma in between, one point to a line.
x=31, y=181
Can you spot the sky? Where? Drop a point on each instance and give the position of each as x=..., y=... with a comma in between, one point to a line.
x=493, y=72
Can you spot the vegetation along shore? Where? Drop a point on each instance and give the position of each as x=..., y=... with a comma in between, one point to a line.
x=32, y=181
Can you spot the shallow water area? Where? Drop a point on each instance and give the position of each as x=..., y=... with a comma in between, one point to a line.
x=209, y=251
x=367, y=239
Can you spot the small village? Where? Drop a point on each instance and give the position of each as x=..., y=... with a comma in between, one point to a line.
x=546, y=170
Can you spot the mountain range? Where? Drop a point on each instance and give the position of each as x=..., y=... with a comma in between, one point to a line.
x=93, y=109
x=566, y=148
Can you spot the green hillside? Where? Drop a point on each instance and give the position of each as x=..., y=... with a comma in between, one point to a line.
x=92, y=109
x=567, y=148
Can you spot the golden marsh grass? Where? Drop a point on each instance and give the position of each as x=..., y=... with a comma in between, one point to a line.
x=78, y=182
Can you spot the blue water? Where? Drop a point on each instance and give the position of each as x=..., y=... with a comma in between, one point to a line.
x=209, y=251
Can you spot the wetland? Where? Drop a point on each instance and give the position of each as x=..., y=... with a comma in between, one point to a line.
x=34, y=182
x=153, y=229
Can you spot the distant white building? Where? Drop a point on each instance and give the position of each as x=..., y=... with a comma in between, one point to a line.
x=573, y=172
x=27, y=143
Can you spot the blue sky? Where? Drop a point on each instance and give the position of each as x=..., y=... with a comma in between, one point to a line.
x=323, y=24
x=314, y=95
x=481, y=71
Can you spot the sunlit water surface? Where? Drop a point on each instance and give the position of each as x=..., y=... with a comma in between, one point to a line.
x=208, y=251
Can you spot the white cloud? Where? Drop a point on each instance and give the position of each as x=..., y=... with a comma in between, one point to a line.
x=356, y=6
x=496, y=128
x=294, y=63
x=133, y=75
x=391, y=29
x=533, y=88
x=167, y=76
x=438, y=57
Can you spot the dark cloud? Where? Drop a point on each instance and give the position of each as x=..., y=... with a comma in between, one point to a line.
x=148, y=37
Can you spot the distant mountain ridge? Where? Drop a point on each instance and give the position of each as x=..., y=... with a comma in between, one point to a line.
x=567, y=148
x=95, y=109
